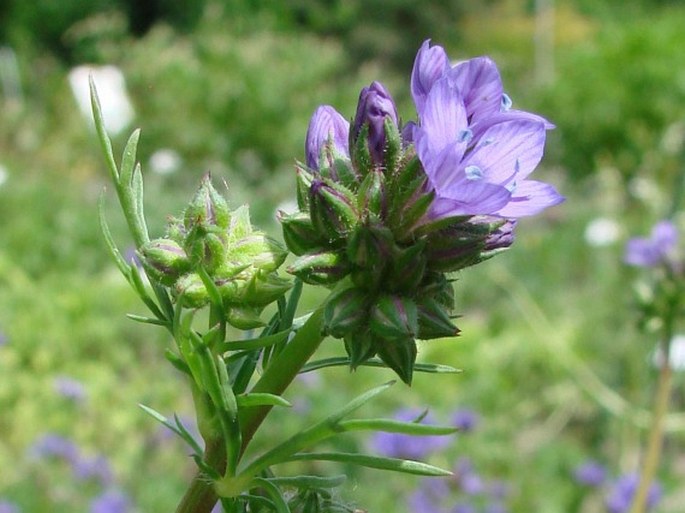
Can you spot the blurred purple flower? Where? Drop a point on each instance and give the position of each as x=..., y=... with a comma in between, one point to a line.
x=217, y=508
x=94, y=468
x=53, y=445
x=429, y=496
x=476, y=152
x=623, y=490
x=3, y=339
x=654, y=250
x=8, y=507
x=69, y=388
x=398, y=445
x=469, y=481
x=499, y=489
x=131, y=256
x=110, y=501
x=590, y=473
x=465, y=420
x=463, y=507
x=495, y=507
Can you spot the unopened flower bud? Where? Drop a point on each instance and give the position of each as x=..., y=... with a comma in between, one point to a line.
x=321, y=268
x=345, y=312
x=192, y=291
x=370, y=246
x=259, y=250
x=372, y=200
x=333, y=210
x=400, y=355
x=394, y=317
x=374, y=107
x=326, y=128
x=408, y=266
x=298, y=233
x=206, y=249
x=164, y=260
x=244, y=318
x=207, y=209
x=434, y=321
x=360, y=347
x=304, y=179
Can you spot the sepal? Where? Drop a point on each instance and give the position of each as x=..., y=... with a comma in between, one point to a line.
x=320, y=268
x=345, y=312
x=164, y=260
x=333, y=209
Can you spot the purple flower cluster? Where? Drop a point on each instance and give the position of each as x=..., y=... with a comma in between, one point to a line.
x=476, y=151
x=83, y=467
x=8, y=507
x=467, y=491
x=69, y=388
x=655, y=249
x=618, y=493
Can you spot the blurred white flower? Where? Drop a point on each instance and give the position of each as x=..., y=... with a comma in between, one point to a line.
x=676, y=357
x=644, y=189
x=165, y=161
x=3, y=174
x=602, y=231
x=672, y=141
x=111, y=86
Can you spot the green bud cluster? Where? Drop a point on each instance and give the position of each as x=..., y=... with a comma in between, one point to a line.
x=210, y=240
x=366, y=223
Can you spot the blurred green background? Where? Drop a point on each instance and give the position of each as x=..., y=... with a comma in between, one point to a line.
x=549, y=332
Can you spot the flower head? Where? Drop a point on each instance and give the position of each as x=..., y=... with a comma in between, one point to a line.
x=655, y=249
x=476, y=153
x=392, y=209
x=111, y=501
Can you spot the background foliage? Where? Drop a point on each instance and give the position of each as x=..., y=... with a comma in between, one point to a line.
x=230, y=87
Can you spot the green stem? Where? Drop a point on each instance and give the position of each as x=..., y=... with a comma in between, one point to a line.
x=656, y=434
x=200, y=496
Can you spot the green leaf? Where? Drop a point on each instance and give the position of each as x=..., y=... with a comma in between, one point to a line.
x=136, y=190
x=179, y=429
x=396, y=426
x=261, y=399
x=378, y=462
x=338, y=361
x=137, y=283
x=310, y=481
x=123, y=266
x=146, y=320
x=105, y=142
x=275, y=493
x=128, y=159
x=254, y=343
x=326, y=428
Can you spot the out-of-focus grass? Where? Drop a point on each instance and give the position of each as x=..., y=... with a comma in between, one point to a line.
x=548, y=328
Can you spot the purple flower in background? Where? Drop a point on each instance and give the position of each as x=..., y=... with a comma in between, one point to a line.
x=110, y=501
x=590, y=473
x=623, y=490
x=429, y=496
x=477, y=154
x=374, y=107
x=3, y=339
x=654, y=250
x=69, y=388
x=53, y=445
x=326, y=125
x=463, y=507
x=398, y=445
x=495, y=507
x=465, y=420
x=469, y=481
x=8, y=507
x=97, y=467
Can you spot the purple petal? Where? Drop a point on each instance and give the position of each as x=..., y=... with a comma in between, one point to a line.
x=443, y=118
x=430, y=64
x=665, y=235
x=480, y=84
x=326, y=124
x=474, y=198
x=508, y=151
x=529, y=198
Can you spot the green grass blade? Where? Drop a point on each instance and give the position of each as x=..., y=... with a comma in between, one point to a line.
x=275, y=493
x=105, y=142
